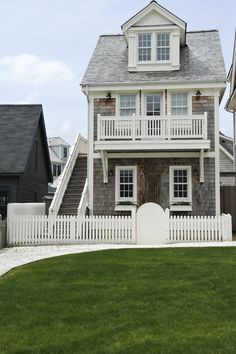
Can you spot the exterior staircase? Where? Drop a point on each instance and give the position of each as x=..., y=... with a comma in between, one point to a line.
x=71, y=196
x=75, y=187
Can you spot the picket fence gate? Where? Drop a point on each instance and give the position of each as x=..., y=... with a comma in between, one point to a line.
x=46, y=230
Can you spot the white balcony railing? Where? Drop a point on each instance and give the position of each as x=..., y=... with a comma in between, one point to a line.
x=161, y=127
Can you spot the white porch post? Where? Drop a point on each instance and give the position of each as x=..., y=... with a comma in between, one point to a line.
x=90, y=151
x=217, y=153
x=201, y=166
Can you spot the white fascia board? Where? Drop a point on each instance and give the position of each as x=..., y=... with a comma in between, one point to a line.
x=159, y=9
x=154, y=155
x=153, y=146
x=226, y=138
x=226, y=153
x=160, y=85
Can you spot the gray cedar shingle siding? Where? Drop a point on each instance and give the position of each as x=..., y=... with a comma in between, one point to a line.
x=201, y=61
x=153, y=184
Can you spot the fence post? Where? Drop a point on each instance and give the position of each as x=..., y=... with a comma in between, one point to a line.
x=133, y=222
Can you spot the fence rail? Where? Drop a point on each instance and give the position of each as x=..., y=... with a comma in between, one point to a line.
x=200, y=229
x=38, y=230
x=46, y=230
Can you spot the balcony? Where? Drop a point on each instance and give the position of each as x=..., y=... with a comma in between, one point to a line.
x=152, y=133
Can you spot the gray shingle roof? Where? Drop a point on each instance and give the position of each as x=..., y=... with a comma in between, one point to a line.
x=227, y=144
x=54, y=141
x=18, y=125
x=201, y=61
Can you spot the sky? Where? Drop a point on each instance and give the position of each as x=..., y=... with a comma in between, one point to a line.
x=46, y=46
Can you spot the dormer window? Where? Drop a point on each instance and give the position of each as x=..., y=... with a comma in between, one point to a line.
x=144, y=47
x=65, y=153
x=163, y=46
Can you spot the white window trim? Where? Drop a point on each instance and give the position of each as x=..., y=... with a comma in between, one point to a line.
x=117, y=185
x=169, y=101
x=118, y=102
x=144, y=101
x=174, y=201
x=162, y=61
x=137, y=46
x=154, y=47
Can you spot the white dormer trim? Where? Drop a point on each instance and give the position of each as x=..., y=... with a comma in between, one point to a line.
x=160, y=10
x=153, y=65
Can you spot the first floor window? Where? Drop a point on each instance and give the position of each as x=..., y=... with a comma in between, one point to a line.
x=180, y=184
x=56, y=170
x=144, y=47
x=179, y=103
x=126, y=183
x=127, y=105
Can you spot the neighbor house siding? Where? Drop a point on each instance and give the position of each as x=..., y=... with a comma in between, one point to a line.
x=226, y=165
x=34, y=181
x=153, y=184
x=11, y=184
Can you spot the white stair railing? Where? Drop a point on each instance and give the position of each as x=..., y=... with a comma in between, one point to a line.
x=80, y=147
x=83, y=200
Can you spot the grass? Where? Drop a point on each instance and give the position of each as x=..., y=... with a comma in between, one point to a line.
x=122, y=301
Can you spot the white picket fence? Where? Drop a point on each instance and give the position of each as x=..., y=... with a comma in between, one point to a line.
x=200, y=229
x=45, y=230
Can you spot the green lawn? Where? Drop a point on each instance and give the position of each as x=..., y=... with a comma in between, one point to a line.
x=122, y=301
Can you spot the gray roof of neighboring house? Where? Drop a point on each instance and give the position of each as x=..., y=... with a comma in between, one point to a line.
x=18, y=127
x=201, y=61
x=54, y=158
x=227, y=143
x=55, y=141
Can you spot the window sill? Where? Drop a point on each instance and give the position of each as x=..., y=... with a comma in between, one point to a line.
x=180, y=207
x=125, y=207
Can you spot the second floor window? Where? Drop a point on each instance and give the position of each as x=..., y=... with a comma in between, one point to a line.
x=144, y=47
x=179, y=103
x=163, y=46
x=153, y=105
x=127, y=105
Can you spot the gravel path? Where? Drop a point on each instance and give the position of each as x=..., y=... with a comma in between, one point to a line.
x=16, y=256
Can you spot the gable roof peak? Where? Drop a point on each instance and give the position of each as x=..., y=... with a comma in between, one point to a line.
x=159, y=9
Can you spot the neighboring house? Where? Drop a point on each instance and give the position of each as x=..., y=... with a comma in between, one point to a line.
x=153, y=116
x=24, y=160
x=226, y=160
x=59, y=152
x=231, y=103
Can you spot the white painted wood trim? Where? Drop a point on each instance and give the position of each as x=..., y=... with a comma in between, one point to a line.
x=128, y=87
x=90, y=162
x=217, y=152
x=201, y=163
x=226, y=153
x=171, y=145
x=117, y=184
x=172, y=199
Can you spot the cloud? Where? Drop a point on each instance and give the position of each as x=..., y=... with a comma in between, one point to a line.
x=31, y=97
x=30, y=69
